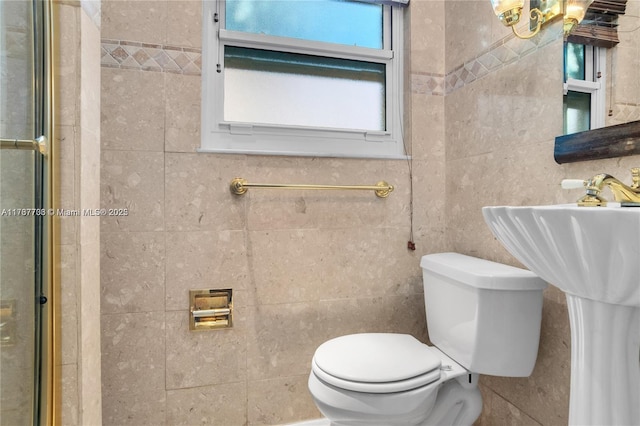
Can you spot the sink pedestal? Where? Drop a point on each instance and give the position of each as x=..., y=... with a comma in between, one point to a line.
x=605, y=363
x=591, y=254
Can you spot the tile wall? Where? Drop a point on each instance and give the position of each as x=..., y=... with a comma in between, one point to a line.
x=623, y=64
x=309, y=266
x=500, y=134
x=304, y=266
x=77, y=96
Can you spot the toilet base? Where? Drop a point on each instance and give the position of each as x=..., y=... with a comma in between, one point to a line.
x=455, y=402
x=344, y=407
x=459, y=403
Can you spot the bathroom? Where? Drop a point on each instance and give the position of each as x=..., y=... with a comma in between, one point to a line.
x=303, y=266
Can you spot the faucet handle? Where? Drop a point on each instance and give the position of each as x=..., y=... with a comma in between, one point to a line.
x=573, y=183
x=635, y=177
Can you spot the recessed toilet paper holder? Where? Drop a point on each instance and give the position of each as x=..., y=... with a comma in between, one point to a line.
x=210, y=309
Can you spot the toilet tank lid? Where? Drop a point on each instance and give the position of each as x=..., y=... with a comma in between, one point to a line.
x=481, y=273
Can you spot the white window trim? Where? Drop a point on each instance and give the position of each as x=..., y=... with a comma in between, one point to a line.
x=249, y=138
x=594, y=84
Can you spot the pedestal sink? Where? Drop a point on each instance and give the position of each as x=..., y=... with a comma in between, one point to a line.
x=593, y=255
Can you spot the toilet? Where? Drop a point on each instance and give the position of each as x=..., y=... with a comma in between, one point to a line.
x=483, y=318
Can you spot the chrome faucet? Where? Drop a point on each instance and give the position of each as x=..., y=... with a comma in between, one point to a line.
x=621, y=192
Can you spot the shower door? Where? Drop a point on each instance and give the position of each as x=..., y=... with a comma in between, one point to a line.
x=22, y=214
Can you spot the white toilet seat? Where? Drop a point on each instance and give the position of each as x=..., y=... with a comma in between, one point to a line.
x=376, y=363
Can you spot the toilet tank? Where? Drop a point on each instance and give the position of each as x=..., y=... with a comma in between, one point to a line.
x=483, y=314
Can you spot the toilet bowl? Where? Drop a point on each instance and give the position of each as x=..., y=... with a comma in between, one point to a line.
x=482, y=317
x=396, y=383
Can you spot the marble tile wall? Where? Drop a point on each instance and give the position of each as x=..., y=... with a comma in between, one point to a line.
x=500, y=134
x=78, y=140
x=624, y=64
x=304, y=266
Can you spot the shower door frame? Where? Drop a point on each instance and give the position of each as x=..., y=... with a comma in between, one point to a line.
x=47, y=392
x=50, y=383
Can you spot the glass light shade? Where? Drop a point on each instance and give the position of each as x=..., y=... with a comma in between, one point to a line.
x=574, y=13
x=508, y=10
x=501, y=6
x=576, y=9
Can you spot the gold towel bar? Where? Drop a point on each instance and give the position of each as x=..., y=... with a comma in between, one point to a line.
x=239, y=186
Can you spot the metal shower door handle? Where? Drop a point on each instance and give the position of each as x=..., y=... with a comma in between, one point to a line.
x=40, y=144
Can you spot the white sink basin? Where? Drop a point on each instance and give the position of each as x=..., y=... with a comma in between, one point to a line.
x=592, y=252
x=593, y=255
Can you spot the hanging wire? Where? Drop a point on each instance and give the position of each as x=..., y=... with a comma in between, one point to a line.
x=612, y=79
x=410, y=244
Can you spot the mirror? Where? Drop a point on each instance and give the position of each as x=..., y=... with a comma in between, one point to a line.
x=620, y=135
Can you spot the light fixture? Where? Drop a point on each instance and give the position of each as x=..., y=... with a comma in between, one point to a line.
x=542, y=12
x=574, y=13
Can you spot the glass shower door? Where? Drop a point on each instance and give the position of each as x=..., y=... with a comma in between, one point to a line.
x=21, y=214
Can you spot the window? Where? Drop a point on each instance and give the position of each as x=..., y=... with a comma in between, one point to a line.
x=303, y=77
x=584, y=98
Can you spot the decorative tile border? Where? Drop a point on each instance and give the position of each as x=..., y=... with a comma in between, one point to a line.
x=506, y=51
x=624, y=113
x=151, y=57
x=429, y=84
x=183, y=60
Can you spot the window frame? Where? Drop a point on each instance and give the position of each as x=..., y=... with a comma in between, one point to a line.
x=223, y=136
x=595, y=59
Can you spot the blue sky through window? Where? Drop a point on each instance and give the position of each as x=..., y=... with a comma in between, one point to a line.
x=332, y=21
